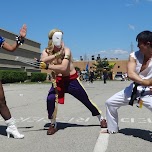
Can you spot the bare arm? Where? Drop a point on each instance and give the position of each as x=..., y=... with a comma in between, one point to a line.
x=13, y=47
x=134, y=76
x=45, y=58
x=9, y=47
x=65, y=65
x=49, y=58
x=131, y=71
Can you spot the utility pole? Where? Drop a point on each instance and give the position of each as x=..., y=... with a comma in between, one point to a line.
x=85, y=57
x=132, y=50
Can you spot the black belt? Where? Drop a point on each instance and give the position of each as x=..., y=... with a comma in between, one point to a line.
x=134, y=94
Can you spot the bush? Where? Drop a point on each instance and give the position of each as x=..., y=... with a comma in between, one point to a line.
x=37, y=76
x=8, y=76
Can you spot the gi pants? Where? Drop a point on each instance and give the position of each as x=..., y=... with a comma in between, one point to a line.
x=122, y=98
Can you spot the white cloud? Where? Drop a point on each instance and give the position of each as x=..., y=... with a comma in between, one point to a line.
x=120, y=52
x=114, y=53
x=103, y=51
x=132, y=27
x=110, y=53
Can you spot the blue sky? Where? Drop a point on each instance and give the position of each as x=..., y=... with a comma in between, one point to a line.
x=91, y=27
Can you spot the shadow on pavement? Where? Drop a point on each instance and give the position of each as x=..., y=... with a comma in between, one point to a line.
x=3, y=130
x=139, y=133
x=60, y=126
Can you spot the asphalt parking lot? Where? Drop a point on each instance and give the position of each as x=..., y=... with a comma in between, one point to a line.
x=78, y=130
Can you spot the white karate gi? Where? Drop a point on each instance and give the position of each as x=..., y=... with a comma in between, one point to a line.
x=122, y=98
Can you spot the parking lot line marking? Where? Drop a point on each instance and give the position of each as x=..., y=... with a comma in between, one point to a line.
x=102, y=142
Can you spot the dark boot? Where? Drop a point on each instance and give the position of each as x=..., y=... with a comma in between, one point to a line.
x=52, y=129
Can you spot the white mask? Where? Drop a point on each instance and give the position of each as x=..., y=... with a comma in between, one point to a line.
x=57, y=39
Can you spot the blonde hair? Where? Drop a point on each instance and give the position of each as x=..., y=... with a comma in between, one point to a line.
x=50, y=47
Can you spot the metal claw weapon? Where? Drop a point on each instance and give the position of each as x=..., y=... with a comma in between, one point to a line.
x=32, y=62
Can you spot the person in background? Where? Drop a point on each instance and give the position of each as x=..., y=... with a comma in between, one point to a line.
x=4, y=110
x=105, y=76
x=91, y=75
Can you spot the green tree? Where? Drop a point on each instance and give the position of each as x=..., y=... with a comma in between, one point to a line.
x=77, y=69
x=102, y=64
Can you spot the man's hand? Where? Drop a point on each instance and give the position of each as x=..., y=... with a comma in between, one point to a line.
x=23, y=31
x=146, y=82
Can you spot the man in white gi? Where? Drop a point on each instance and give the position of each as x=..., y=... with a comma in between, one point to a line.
x=139, y=70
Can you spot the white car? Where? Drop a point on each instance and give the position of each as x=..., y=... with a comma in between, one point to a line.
x=119, y=77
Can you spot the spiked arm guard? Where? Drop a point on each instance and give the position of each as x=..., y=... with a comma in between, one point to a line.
x=19, y=40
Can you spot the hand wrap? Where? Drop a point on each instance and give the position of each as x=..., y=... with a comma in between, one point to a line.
x=43, y=65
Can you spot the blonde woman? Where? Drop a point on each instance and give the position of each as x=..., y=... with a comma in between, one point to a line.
x=64, y=79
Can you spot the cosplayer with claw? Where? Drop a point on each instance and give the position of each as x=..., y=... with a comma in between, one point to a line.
x=4, y=111
x=140, y=91
x=64, y=79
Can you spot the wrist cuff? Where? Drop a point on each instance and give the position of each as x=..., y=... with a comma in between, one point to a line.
x=67, y=57
x=19, y=40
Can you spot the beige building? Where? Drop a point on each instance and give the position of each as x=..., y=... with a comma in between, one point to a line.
x=29, y=50
x=119, y=65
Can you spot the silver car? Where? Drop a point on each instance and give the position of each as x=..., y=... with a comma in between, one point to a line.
x=119, y=77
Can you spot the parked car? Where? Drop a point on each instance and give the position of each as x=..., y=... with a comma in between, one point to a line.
x=119, y=77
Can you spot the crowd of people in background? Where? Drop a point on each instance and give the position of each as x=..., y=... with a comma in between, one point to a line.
x=90, y=76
